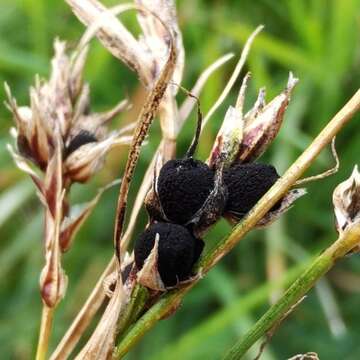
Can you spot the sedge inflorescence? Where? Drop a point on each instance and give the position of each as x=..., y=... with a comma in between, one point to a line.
x=183, y=188
x=191, y=196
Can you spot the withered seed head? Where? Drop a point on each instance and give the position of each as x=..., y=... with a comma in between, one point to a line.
x=247, y=183
x=178, y=250
x=346, y=200
x=82, y=138
x=58, y=115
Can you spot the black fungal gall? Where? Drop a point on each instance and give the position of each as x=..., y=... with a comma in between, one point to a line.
x=182, y=187
x=246, y=184
x=82, y=138
x=178, y=250
x=187, y=191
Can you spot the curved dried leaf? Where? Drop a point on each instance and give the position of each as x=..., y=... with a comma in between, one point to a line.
x=145, y=117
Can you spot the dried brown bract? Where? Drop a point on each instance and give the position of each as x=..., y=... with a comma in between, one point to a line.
x=242, y=138
x=346, y=200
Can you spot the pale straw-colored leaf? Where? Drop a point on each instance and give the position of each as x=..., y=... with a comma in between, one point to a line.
x=82, y=104
x=145, y=117
x=79, y=214
x=101, y=343
x=77, y=65
x=234, y=76
x=188, y=104
x=84, y=316
x=104, y=117
x=113, y=35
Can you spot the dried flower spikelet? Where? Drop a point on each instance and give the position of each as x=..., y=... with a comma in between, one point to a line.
x=346, y=200
x=146, y=55
x=88, y=158
x=62, y=103
x=155, y=38
x=243, y=138
x=262, y=123
x=165, y=255
x=155, y=41
x=308, y=356
x=228, y=140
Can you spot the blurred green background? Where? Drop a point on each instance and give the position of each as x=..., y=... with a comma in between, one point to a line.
x=319, y=41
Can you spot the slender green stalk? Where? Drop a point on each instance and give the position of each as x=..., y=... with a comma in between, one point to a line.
x=236, y=312
x=168, y=301
x=321, y=265
x=138, y=299
x=146, y=322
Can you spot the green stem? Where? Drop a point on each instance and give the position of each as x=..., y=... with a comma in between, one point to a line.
x=138, y=299
x=235, y=312
x=164, y=305
x=146, y=322
x=302, y=285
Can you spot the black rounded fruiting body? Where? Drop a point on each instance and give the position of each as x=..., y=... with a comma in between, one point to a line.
x=188, y=192
x=182, y=187
x=178, y=250
x=246, y=184
x=82, y=138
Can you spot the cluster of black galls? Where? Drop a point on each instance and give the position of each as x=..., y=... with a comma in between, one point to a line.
x=183, y=189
